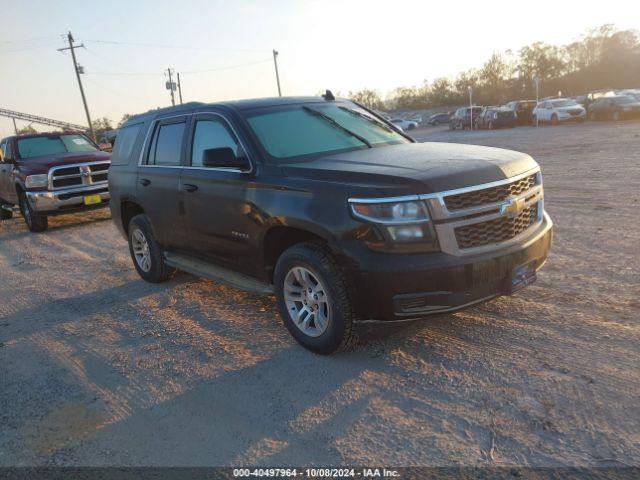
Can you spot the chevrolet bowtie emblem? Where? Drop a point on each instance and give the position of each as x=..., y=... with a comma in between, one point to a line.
x=513, y=207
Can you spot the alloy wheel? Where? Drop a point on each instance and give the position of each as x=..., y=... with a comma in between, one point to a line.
x=140, y=248
x=307, y=301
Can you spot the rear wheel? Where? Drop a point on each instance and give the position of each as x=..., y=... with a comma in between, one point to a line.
x=146, y=253
x=5, y=214
x=34, y=221
x=554, y=120
x=312, y=299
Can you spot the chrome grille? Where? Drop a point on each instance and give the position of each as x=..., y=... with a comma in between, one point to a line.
x=496, y=194
x=79, y=175
x=497, y=230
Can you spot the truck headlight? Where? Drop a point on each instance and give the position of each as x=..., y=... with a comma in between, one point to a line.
x=405, y=222
x=36, y=181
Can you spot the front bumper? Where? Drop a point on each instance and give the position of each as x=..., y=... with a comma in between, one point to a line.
x=567, y=117
x=396, y=287
x=67, y=200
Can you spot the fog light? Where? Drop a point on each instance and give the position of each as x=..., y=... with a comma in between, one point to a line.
x=406, y=233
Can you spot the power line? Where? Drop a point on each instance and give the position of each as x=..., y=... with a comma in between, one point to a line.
x=179, y=47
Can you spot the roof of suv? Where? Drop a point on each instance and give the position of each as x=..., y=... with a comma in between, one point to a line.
x=238, y=105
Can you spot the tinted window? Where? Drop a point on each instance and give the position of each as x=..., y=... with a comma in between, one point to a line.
x=294, y=131
x=125, y=140
x=212, y=134
x=167, y=145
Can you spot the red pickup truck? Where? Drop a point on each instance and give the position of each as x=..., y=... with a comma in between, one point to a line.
x=50, y=174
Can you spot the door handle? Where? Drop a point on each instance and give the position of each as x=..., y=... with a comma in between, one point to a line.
x=145, y=181
x=189, y=187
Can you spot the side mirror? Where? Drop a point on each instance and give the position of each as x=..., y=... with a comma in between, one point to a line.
x=223, y=158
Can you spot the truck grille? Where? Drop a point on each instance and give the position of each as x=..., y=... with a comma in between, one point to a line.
x=78, y=175
x=490, y=195
x=497, y=230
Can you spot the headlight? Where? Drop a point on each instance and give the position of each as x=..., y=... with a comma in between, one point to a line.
x=391, y=212
x=403, y=223
x=36, y=181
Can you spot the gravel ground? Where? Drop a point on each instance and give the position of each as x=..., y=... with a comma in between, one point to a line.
x=100, y=368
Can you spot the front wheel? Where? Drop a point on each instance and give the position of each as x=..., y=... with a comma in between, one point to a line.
x=5, y=214
x=312, y=299
x=35, y=223
x=146, y=252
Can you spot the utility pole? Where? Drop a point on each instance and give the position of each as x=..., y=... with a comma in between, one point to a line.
x=275, y=63
x=179, y=88
x=78, y=70
x=471, y=108
x=170, y=86
x=15, y=127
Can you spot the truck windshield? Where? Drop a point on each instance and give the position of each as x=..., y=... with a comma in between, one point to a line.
x=316, y=128
x=31, y=147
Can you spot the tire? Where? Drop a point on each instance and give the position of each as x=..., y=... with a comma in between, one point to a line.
x=491, y=127
x=299, y=267
x=35, y=222
x=554, y=120
x=534, y=121
x=146, y=253
x=5, y=214
x=436, y=123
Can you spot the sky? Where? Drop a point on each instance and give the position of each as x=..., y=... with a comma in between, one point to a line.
x=223, y=48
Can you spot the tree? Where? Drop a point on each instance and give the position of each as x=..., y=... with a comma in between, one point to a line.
x=124, y=118
x=369, y=98
x=101, y=126
x=28, y=130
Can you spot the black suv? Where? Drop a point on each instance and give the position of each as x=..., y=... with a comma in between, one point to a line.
x=329, y=206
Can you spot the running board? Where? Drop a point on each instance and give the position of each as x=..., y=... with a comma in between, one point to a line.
x=217, y=274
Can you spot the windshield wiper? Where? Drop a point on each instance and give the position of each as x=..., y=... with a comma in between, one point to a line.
x=337, y=125
x=376, y=122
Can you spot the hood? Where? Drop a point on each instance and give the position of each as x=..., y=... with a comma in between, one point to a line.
x=36, y=165
x=415, y=167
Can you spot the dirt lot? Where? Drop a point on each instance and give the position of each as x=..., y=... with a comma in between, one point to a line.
x=100, y=368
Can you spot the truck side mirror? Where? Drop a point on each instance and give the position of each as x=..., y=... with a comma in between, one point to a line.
x=223, y=157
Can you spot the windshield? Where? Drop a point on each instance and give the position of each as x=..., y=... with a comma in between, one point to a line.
x=53, y=145
x=563, y=103
x=319, y=128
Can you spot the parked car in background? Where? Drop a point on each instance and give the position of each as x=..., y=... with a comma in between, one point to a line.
x=50, y=174
x=632, y=92
x=523, y=110
x=588, y=98
x=495, y=117
x=462, y=117
x=322, y=203
x=616, y=108
x=439, y=118
x=404, y=124
x=558, y=110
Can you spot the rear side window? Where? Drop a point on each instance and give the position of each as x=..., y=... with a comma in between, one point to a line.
x=125, y=140
x=167, y=145
x=212, y=134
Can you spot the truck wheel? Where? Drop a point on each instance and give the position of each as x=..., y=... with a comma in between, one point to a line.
x=146, y=253
x=312, y=299
x=5, y=214
x=35, y=222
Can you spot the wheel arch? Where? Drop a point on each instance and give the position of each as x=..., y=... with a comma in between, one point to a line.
x=278, y=238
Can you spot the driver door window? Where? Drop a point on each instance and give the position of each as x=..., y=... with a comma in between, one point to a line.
x=212, y=133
